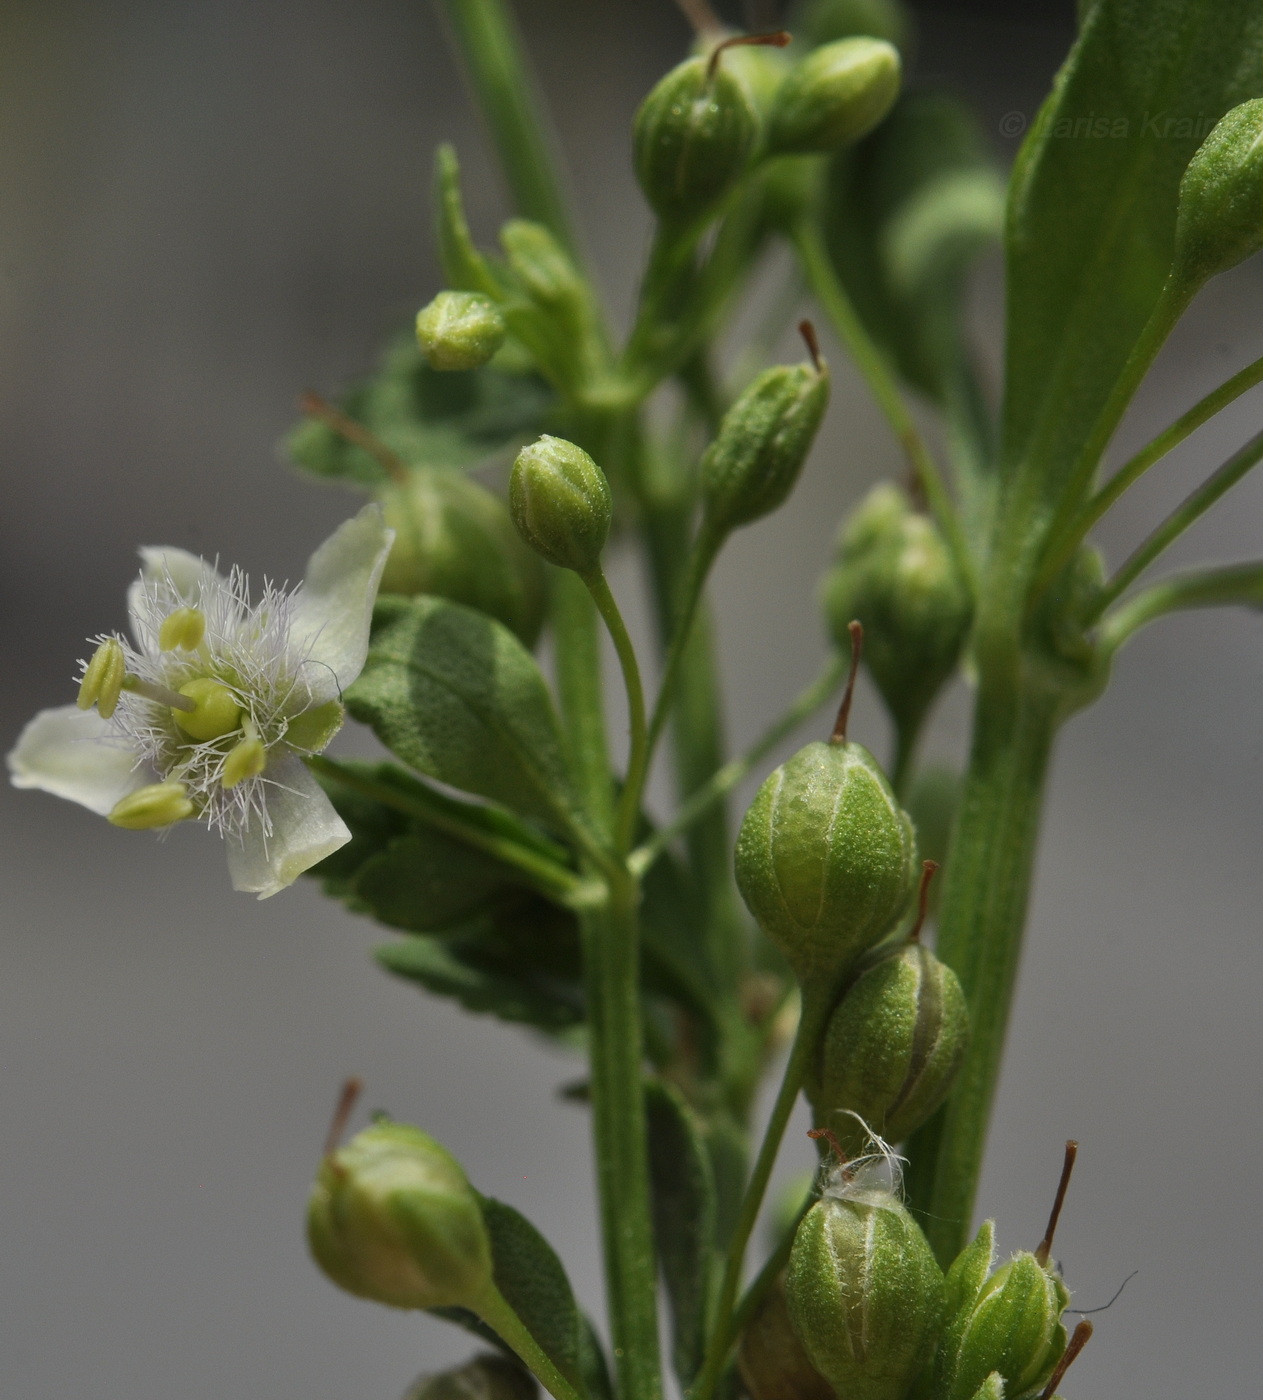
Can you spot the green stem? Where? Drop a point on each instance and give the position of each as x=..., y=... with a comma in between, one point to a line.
x=722, y=1334
x=1240, y=584
x=638, y=753
x=499, y=73
x=828, y=290
x=1191, y=508
x=987, y=887
x=721, y=783
x=1071, y=536
x=612, y=971
x=444, y=814
x=576, y=640
x=495, y=1311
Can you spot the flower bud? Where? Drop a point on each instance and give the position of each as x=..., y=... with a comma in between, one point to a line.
x=836, y=94
x=774, y=1364
x=693, y=138
x=459, y=330
x=454, y=539
x=1010, y=1324
x=392, y=1217
x=896, y=574
x=1219, y=221
x=892, y=1047
x=488, y=1376
x=865, y=1294
x=824, y=859
x=560, y=502
x=763, y=441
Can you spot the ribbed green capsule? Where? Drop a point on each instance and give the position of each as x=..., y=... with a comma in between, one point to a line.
x=455, y=539
x=751, y=466
x=825, y=860
x=1219, y=219
x=561, y=503
x=892, y=1048
x=896, y=575
x=836, y=95
x=459, y=330
x=773, y=1362
x=488, y=1376
x=393, y=1218
x=1009, y=1323
x=693, y=138
x=865, y=1294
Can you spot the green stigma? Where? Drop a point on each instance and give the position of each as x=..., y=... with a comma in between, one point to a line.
x=159, y=804
x=183, y=629
x=217, y=712
x=103, y=680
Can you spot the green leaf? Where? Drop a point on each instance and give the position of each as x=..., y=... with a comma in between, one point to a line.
x=683, y=1219
x=456, y=696
x=520, y=963
x=534, y=1284
x=1092, y=206
x=428, y=417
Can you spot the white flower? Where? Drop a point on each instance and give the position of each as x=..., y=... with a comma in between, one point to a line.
x=206, y=712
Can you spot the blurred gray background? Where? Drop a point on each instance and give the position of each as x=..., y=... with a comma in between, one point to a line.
x=208, y=207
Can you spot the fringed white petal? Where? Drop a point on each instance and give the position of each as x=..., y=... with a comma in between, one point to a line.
x=76, y=754
x=334, y=605
x=305, y=829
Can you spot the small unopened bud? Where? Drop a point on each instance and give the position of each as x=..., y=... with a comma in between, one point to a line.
x=392, y=1217
x=102, y=681
x=1219, y=220
x=896, y=574
x=182, y=630
x=892, y=1047
x=158, y=805
x=865, y=1294
x=454, y=539
x=487, y=1377
x=834, y=96
x=694, y=136
x=763, y=441
x=561, y=504
x=245, y=760
x=459, y=330
x=773, y=1362
x=1013, y=1327
x=825, y=860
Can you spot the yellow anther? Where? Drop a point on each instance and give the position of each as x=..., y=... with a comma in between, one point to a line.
x=103, y=680
x=159, y=804
x=184, y=628
x=217, y=712
x=246, y=760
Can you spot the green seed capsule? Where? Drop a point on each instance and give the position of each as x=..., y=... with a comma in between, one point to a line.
x=892, y=1047
x=825, y=860
x=392, y=1217
x=455, y=539
x=763, y=441
x=487, y=1377
x=865, y=1294
x=774, y=1364
x=837, y=94
x=561, y=504
x=1009, y=1323
x=896, y=574
x=459, y=330
x=1219, y=222
x=693, y=138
